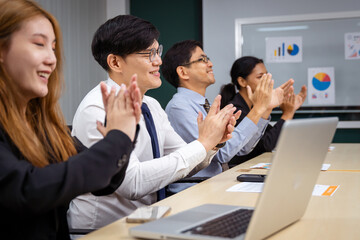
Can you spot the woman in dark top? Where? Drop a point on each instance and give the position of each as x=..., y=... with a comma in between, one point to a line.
x=40, y=170
x=247, y=71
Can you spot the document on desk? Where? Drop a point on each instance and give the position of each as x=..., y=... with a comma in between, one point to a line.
x=255, y=187
x=324, y=167
x=324, y=190
x=261, y=166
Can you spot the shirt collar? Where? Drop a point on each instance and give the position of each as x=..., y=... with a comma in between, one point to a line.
x=196, y=97
x=111, y=83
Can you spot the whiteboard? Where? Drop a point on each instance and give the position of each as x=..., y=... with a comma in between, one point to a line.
x=323, y=45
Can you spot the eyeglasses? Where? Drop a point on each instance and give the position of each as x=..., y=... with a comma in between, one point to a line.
x=204, y=59
x=152, y=52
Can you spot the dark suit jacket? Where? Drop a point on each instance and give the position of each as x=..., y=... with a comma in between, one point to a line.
x=33, y=201
x=268, y=141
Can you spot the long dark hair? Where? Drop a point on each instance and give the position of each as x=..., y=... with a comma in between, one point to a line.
x=47, y=137
x=242, y=67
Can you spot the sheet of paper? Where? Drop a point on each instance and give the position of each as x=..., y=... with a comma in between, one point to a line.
x=262, y=166
x=324, y=167
x=246, y=187
x=321, y=86
x=253, y=187
x=324, y=190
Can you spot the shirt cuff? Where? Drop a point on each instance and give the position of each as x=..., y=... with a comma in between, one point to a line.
x=193, y=153
x=263, y=122
x=248, y=125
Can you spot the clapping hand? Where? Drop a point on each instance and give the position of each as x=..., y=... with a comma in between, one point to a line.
x=262, y=96
x=230, y=127
x=288, y=106
x=217, y=126
x=300, y=97
x=122, y=110
x=280, y=93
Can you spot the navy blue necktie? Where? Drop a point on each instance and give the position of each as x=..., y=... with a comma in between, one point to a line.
x=150, y=126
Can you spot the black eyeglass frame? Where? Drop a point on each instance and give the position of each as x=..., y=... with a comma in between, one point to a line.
x=204, y=59
x=152, y=52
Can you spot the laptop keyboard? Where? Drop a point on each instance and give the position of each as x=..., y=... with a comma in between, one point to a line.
x=229, y=225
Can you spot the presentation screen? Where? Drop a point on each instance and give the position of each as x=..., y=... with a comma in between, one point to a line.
x=321, y=52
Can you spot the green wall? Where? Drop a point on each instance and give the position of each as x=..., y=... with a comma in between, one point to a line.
x=176, y=20
x=347, y=136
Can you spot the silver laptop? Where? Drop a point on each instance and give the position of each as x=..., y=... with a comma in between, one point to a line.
x=296, y=164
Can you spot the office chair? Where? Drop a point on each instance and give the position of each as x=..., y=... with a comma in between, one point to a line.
x=75, y=231
x=185, y=180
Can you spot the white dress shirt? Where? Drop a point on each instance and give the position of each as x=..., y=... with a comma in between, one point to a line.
x=144, y=175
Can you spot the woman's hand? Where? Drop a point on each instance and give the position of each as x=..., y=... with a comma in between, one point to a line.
x=300, y=97
x=288, y=106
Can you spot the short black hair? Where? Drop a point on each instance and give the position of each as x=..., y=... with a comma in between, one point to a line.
x=179, y=54
x=122, y=35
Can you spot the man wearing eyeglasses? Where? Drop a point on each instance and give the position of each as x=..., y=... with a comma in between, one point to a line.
x=124, y=46
x=189, y=70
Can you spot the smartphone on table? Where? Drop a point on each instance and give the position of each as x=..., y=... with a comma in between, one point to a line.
x=147, y=214
x=251, y=177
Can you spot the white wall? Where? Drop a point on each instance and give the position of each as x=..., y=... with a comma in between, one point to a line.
x=219, y=26
x=79, y=20
x=117, y=7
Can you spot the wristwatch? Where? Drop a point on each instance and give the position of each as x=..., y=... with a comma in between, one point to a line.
x=220, y=145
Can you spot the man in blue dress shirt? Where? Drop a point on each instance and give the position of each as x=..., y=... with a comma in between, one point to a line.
x=188, y=68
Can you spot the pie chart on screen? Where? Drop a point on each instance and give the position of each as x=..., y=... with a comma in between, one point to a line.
x=293, y=50
x=321, y=81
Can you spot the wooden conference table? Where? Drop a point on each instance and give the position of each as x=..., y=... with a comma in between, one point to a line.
x=326, y=217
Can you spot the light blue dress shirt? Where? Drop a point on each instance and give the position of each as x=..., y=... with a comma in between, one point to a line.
x=182, y=111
